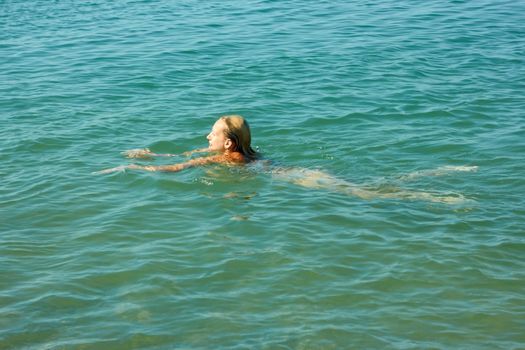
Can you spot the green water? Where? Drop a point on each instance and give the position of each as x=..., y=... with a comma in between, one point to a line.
x=388, y=97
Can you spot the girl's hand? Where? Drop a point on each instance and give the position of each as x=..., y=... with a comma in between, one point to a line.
x=138, y=153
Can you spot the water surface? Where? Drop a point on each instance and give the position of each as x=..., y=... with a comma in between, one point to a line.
x=383, y=95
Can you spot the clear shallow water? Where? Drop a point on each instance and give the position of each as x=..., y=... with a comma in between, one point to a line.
x=373, y=93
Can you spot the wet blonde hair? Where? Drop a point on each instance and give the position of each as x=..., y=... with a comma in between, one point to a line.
x=238, y=131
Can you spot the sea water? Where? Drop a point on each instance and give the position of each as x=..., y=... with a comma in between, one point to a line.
x=354, y=104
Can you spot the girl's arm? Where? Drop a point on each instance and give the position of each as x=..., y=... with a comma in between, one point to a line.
x=179, y=166
x=220, y=158
x=146, y=153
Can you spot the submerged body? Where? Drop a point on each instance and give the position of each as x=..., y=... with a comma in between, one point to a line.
x=318, y=179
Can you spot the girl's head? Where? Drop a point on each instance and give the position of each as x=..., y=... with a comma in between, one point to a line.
x=231, y=133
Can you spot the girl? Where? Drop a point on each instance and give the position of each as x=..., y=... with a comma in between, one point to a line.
x=229, y=142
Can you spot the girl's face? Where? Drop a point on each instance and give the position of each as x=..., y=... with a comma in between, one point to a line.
x=218, y=142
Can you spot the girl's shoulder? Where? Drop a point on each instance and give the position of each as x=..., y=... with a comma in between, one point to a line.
x=235, y=157
x=227, y=158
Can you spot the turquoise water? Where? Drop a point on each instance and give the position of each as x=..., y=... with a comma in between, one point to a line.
x=387, y=97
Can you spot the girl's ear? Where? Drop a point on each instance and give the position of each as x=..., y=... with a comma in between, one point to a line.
x=228, y=143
